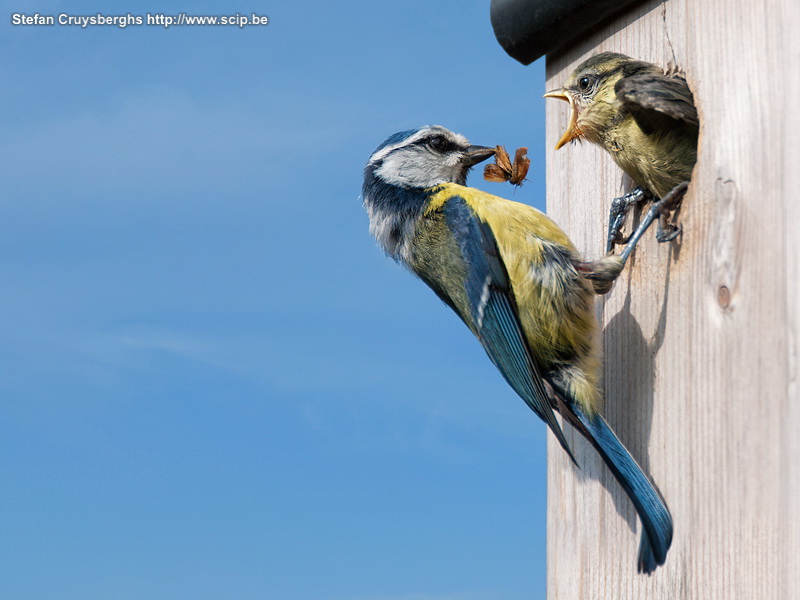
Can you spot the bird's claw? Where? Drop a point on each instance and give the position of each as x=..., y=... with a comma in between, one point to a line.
x=667, y=231
x=617, y=215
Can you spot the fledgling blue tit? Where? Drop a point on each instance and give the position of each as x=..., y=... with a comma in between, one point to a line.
x=515, y=279
x=645, y=118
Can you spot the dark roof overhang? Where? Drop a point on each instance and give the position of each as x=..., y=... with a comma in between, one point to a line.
x=528, y=29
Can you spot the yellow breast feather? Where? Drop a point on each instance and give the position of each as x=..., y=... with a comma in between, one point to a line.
x=555, y=303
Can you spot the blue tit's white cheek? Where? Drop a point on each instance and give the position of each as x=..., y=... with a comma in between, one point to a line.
x=419, y=168
x=405, y=169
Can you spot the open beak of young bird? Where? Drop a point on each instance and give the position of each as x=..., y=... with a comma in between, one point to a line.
x=572, y=131
x=475, y=154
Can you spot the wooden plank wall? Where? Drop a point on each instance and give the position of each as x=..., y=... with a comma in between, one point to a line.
x=701, y=336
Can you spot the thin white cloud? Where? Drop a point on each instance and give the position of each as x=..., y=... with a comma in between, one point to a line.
x=160, y=140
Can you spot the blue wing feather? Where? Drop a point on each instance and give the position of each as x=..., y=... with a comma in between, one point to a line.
x=494, y=313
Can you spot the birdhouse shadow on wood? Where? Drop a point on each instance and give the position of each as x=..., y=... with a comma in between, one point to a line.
x=701, y=334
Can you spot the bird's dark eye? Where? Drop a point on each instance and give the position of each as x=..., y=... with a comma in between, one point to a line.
x=585, y=82
x=438, y=143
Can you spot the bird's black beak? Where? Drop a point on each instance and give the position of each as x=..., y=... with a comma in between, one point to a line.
x=475, y=154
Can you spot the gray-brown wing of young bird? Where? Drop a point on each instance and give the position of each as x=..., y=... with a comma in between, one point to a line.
x=664, y=110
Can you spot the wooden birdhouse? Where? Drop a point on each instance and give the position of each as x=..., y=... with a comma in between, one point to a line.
x=701, y=335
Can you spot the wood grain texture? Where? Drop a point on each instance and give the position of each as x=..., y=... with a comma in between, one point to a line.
x=701, y=336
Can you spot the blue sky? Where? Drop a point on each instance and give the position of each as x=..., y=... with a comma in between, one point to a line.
x=213, y=384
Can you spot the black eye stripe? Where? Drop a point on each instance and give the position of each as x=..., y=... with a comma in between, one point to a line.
x=436, y=142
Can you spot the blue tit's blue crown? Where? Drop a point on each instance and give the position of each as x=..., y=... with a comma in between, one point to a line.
x=396, y=138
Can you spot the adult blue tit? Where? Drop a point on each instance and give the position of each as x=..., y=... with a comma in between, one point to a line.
x=515, y=279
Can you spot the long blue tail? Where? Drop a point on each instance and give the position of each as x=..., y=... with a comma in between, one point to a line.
x=653, y=511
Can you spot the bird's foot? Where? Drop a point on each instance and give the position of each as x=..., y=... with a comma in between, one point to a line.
x=659, y=210
x=668, y=231
x=619, y=212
